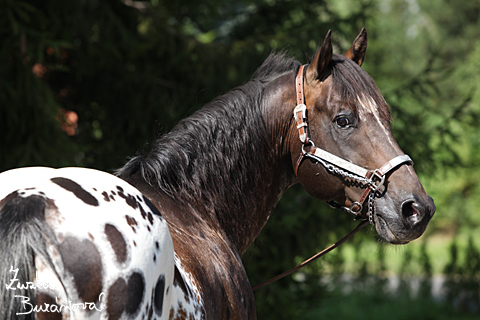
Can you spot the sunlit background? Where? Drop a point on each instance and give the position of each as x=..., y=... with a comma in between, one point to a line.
x=89, y=82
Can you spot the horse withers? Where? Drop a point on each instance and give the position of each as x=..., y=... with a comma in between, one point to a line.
x=164, y=237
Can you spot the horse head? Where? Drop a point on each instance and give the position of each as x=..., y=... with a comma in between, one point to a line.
x=348, y=153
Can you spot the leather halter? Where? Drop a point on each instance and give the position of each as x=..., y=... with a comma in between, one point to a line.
x=372, y=179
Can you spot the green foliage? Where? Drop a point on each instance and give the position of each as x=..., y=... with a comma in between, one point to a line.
x=131, y=69
x=28, y=108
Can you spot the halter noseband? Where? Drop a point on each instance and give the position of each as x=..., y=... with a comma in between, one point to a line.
x=372, y=179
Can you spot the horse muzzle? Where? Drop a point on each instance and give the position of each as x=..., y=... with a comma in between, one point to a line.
x=404, y=222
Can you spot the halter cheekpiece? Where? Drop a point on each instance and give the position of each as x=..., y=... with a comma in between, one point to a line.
x=372, y=180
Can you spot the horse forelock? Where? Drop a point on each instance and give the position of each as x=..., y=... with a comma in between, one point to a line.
x=358, y=90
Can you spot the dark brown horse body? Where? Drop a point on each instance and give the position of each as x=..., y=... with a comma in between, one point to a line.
x=218, y=175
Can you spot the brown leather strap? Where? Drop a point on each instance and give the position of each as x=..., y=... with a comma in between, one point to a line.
x=380, y=174
x=299, y=86
x=300, y=111
x=393, y=163
x=358, y=205
x=385, y=168
x=299, y=161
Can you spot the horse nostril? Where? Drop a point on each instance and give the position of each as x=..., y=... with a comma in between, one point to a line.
x=410, y=213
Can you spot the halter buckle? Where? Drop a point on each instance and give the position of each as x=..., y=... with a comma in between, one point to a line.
x=353, y=207
x=379, y=177
x=312, y=147
x=300, y=108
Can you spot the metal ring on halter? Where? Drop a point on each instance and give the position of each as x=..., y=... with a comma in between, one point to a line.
x=360, y=206
x=380, y=177
x=310, y=142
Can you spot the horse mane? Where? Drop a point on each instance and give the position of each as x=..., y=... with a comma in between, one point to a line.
x=210, y=156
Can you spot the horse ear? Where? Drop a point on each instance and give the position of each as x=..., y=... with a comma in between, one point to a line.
x=322, y=58
x=358, y=48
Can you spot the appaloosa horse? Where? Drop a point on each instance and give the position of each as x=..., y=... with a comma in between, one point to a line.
x=165, y=236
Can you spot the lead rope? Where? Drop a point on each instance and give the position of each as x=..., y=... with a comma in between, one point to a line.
x=313, y=258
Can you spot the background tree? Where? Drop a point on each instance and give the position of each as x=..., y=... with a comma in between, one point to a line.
x=88, y=83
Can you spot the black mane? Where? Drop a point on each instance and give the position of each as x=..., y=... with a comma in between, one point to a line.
x=209, y=157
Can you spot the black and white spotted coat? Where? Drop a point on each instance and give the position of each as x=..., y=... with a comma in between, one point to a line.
x=114, y=254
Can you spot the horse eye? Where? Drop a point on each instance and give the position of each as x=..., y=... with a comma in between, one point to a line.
x=342, y=122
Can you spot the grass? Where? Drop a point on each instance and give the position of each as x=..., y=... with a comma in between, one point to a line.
x=376, y=305
x=357, y=298
x=435, y=248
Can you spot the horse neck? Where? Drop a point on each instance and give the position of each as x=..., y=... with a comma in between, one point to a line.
x=276, y=167
x=231, y=172
x=257, y=175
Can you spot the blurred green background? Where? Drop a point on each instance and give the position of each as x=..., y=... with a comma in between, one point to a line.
x=90, y=82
